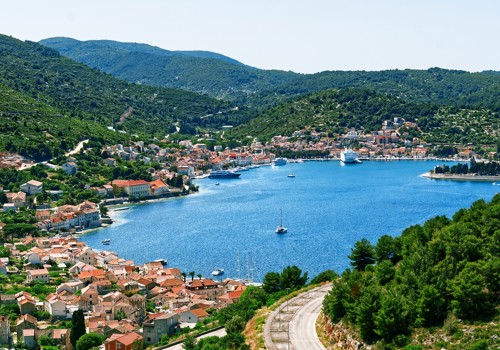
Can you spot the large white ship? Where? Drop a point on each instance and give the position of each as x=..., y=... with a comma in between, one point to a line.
x=348, y=156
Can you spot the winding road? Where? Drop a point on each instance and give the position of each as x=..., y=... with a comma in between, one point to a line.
x=293, y=325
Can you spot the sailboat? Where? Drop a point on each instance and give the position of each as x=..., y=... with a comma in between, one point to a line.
x=281, y=228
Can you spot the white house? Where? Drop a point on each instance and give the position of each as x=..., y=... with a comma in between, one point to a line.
x=32, y=187
x=37, y=275
x=33, y=258
x=55, y=307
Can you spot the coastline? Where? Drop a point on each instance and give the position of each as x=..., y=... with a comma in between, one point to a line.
x=457, y=177
x=112, y=208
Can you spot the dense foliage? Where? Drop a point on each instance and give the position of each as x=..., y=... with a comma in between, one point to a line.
x=220, y=76
x=337, y=111
x=444, y=268
x=435, y=86
x=490, y=168
x=202, y=72
x=74, y=90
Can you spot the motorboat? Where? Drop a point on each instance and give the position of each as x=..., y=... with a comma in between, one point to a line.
x=217, y=272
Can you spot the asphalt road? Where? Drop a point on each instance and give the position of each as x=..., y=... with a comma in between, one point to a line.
x=302, y=329
x=292, y=326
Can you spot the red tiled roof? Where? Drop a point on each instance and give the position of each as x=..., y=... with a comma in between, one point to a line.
x=199, y=313
x=129, y=338
x=91, y=273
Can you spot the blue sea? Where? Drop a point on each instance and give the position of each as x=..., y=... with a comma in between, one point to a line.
x=326, y=207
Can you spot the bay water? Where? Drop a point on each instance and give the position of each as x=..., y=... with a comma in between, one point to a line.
x=326, y=207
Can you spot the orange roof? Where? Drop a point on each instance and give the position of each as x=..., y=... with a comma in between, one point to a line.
x=199, y=313
x=129, y=338
x=157, y=183
x=91, y=273
x=171, y=282
x=236, y=294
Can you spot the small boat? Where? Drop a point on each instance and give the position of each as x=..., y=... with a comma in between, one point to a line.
x=217, y=184
x=281, y=228
x=106, y=241
x=162, y=261
x=217, y=272
x=291, y=175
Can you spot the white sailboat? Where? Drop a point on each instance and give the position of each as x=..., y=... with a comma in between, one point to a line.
x=281, y=228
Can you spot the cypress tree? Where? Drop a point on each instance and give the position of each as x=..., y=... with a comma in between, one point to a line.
x=77, y=328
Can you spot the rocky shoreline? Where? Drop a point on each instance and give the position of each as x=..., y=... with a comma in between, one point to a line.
x=458, y=177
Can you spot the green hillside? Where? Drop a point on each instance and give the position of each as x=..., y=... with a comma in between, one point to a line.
x=435, y=85
x=77, y=90
x=198, y=71
x=436, y=286
x=219, y=76
x=337, y=111
x=39, y=131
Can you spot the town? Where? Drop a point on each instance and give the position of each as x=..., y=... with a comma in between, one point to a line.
x=125, y=303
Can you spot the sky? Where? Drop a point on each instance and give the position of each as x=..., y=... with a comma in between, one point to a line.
x=301, y=36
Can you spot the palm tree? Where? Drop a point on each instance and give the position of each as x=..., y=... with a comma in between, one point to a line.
x=184, y=276
x=192, y=275
x=199, y=276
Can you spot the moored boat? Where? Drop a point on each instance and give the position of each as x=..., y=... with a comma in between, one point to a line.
x=348, y=156
x=280, y=161
x=223, y=174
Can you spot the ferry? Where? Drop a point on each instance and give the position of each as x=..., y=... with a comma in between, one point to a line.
x=280, y=161
x=217, y=272
x=223, y=174
x=348, y=156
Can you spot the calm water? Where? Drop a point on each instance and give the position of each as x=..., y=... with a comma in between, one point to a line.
x=327, y=207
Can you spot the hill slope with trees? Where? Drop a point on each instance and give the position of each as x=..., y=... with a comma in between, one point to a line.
x=443, y=273
x=77, y=90
x=198, y=71
x=220, y=76
x=337, y=111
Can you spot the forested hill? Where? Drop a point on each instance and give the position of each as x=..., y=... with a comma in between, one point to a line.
x=437, y=284
x=436, y=86
x=198, y=71
x=220, y=76
x=337, y=111
x=75, y=89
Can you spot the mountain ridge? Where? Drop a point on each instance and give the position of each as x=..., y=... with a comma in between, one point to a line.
x=259, y=88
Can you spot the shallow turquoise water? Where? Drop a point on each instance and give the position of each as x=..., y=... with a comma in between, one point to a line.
x=327, y=207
